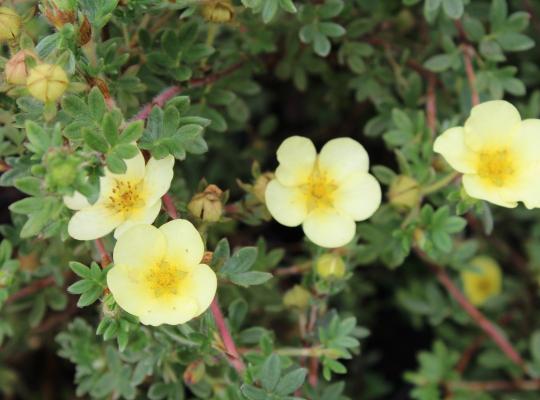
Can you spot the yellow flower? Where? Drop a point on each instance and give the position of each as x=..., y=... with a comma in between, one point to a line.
x=124, y=200
x=484, y=281
x=326, y=193
x=10, y=24
x=47, y=82
x=498, y=154
x=297, y=297
x=157, y=274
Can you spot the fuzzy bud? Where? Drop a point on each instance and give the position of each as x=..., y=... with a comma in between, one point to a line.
x=329, y=266
x=10, y=24
x=47, y=82
x=297, y=297
x=259, y=188
x=219, y=11
x=62, y=170
x=404, y=192
x=207, y=205
x=16, y=70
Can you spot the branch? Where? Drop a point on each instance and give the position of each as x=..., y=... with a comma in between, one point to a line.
x=468, y=54
x=483, y=323
x=32, y=288
x=105, y=258
x=431, y=105
x=172, y=91
x=168, y=204
x=495, y=386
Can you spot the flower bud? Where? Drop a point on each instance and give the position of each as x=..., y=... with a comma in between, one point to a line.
x=207, y=205
x=404, y=192
x=259, y=188
x=62, y=170
x=330, y=266
x=16, y=70
x=47, y=82
x=10, y=24
x=194, y=372
x=219, y=11
x=297, y=297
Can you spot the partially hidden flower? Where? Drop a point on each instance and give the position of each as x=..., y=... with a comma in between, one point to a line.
x=219, y=11
x=297, y=298
x=127, y=199
x=207, y=205
x=498, y=153
x=329, y=266
x=483, y=281
x=16, y=70
x=10, y=24
x=325, y=193
x=158, y=275
x=47, y=82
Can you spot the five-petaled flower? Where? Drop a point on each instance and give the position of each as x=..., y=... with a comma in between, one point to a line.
x=326, y=193
x=498, y=154
x=127, y=199
x=158, y=275
x=483, y=281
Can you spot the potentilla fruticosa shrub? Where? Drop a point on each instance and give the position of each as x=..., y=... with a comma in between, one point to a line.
x=270, y=199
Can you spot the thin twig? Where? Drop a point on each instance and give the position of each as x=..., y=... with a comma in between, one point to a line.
x=230, y=347
x=483, y=323
x=105, y=258
x=32, y=288
x=431, y=105
x=496, y=386
x=172, y=91
x=168, y=204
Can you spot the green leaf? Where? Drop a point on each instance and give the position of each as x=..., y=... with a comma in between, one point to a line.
x=253, y=393
x=288, y=6
x=133, y=132
x=321, y=44
x=241, y=261
x=109, y=129
x=37, y=136
x=497, y=13
x=535, y=345
x=29, y=185
x=269, y=10
x=331, y=29
x=330, y=9
x=116, y=164
x=27, y=206
x=439, y=62
x=95, y=140
x=512, y=41
x=80, y=269
x=453, y=8
x=270, y=372
x=126, y=151
x=250, y=278
x=291, y=381
x=96, y=104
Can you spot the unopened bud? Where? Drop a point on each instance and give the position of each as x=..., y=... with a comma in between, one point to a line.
x=219, y=11
x=62, y=170
x=16, y=70
x=10, y=24
x=194, y=372
x=404, y=192
x=330, y=266
x=207, y=205
x=259, y=188
x=60, y=12
x=297, y=297
x=47, y=82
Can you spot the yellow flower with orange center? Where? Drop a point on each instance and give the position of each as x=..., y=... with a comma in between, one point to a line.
x=127, y=199
x=158, y=275
x=326, y=192
x=498, y=154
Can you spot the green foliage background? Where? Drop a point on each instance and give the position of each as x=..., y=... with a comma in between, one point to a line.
x=392, y=74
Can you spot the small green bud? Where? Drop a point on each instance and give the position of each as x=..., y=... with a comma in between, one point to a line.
x=219, y=11
x=62, y=170
x=329, y=266
x=404, y=192
x=297, y=297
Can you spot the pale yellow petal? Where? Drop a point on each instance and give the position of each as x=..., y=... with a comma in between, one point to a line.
x=491, y=122
x=141, y=216
x=77, y=201
x=286, y=204
x=342, y=157
x=185, y=246
x=296, y=157
x=329, y=228
x=93, y=222
x=200, y=285
x=127, y=290
x=451, y=145
x=140, y=247
x=358, y=196
x=478, y=188
x=159, y=174
x=174, y=311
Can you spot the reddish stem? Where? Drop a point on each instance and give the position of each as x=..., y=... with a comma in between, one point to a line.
x=486, y=325
x=495, y=386
x=34, y=287
x=431, y=105
x=172, y=91
x=471, y=76
x=230, y=347
x=169, y=206
x=105, y=258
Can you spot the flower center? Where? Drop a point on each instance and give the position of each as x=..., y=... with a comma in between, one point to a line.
x=484, y=286
x=125, y=196
x=319, y=190
x=496, y=166
x=164, y=279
